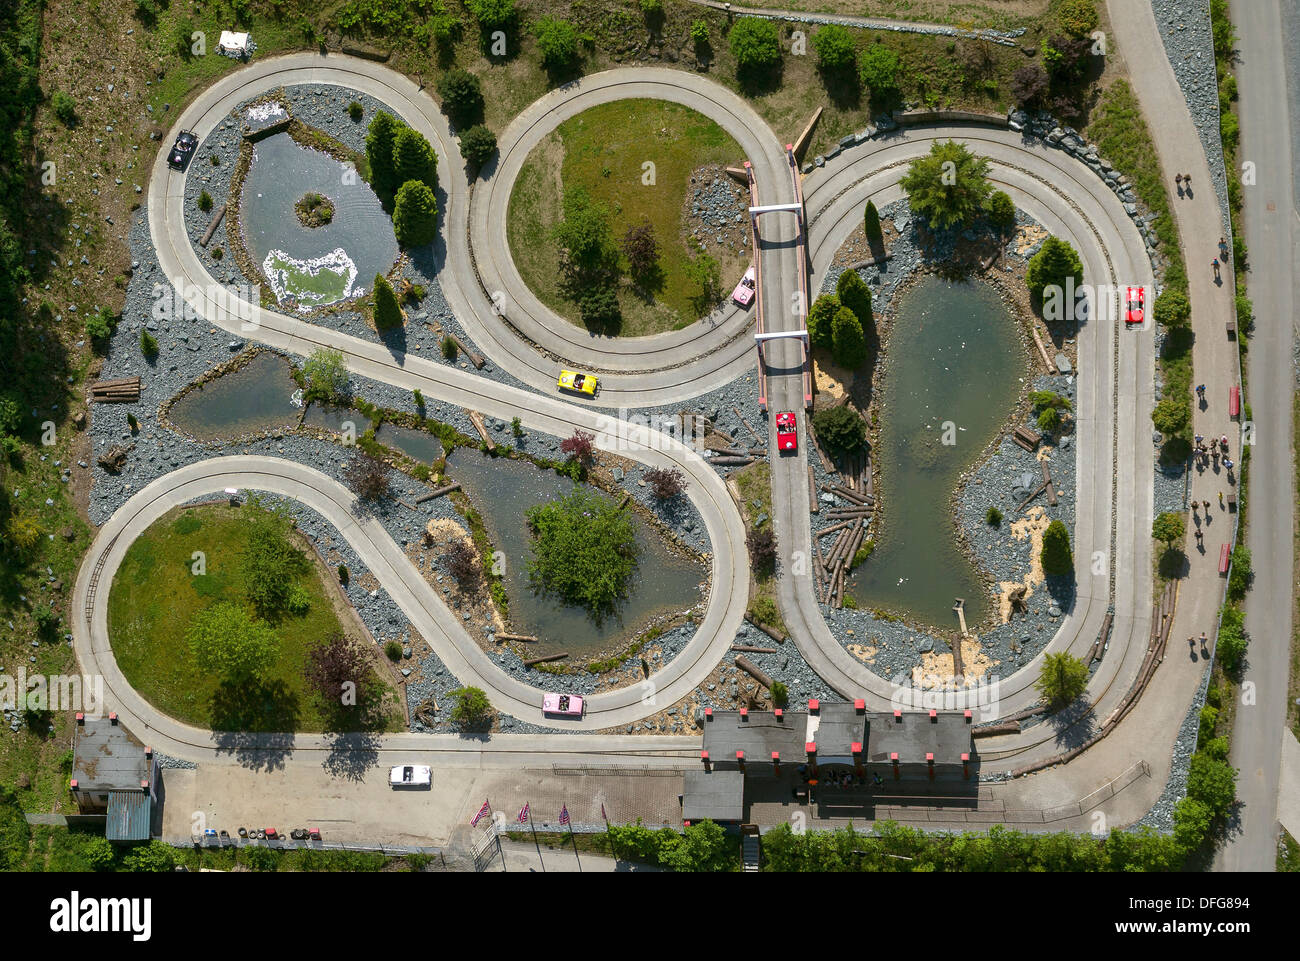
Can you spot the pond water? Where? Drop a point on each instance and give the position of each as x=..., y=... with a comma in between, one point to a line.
x=419, y=444
x=502, y=490
x=319, y=265
x=954, y=356
x=258, y=396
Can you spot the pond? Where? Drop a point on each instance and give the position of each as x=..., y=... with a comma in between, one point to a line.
x=315, y=266
x=954, y=356
x=258, y=396
x=502, y=490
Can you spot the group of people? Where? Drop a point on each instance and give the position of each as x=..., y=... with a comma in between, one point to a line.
x=1183, y=181
x=1191, y=645
x=1204, y=453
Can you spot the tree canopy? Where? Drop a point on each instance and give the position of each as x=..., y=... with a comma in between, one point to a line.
x=1063, y=678
x=948, y=186
x=584, y=550
x=1056, y=558
x=1055, y=262
x=226, y=642
x=415, y=215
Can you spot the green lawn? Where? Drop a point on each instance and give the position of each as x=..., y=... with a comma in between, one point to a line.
x=154, y=597
x=603, y=149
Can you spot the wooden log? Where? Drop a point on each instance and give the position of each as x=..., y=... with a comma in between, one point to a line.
x=548, y=657
x=446, y=489
x=814, y=505
x=852, y=514
x=753, y=670
x=801, y=142
x=1034, y=493
x=731, y=461
x=770, y=631
x=750, y=649
x=840, y=490
x=477, y=420
x=503, y=636
x=758, y=439
x=474, y=357
x=1047, y=482
x=826, y=461
x=1047, y=361
x=117, y=382
x=869, y=262
x=834, y=527
x=212, y=226
x=734, y=451
x=993, y=730
x=627, y=496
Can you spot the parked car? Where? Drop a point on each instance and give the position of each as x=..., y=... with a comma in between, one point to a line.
x=1134, y=302
x=410, y=775
x=575, y=383
x=183, y=149
x=744, y=292
x=787, y=431
x=564, y=705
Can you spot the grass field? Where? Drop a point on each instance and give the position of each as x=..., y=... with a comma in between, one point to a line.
x=603, y=149
x=155, y=596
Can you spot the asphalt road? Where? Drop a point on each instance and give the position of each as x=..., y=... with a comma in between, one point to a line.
x=1269, y=33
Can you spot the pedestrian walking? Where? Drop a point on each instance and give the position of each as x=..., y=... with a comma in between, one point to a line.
x=1223, y=249
x=1224, y=441
x=1199, y=536
x=1187, y=181
x=1200, y=392
x=1227, y=464
x=1199, y=438
x=1215, y=265
x=1220, y=500
x=1207, y=508
x=1178, y=180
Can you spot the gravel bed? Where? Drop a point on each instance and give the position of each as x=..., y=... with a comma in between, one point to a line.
x=1186, y=32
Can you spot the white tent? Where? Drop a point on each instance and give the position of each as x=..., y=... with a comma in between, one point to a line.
x=233, y=44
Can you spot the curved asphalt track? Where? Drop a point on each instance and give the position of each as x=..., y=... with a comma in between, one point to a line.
x=1061, y=193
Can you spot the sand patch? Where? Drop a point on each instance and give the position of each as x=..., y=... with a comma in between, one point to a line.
x=832, y=381
x=1031, y=526
x=862, y=652
x=1027, y=237
x=937, y=667
x=442, y=531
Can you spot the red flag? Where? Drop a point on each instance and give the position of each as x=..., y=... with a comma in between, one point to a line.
x=523, y=814
x=603, y=815
x=564, y=814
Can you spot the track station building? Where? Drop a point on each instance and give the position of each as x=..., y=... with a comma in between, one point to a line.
x=836, y=756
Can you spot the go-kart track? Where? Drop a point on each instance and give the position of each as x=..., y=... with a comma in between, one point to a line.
x=523, y=337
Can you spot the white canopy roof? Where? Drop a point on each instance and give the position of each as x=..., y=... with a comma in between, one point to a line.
x=233, y=41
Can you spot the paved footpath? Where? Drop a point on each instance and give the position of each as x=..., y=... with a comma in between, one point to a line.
x=1259, y=735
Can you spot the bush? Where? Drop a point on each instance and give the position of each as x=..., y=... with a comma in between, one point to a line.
x=558, y=42
x=854, y=294
x=65, y=108
x=949, y=186
x=1172, y=308
x=1029, y=84
x=840, y=429
x=1049, y=398
x=449, y=349
x=343, y=574
x=641, y=250
x=764, y=611
x=871, y=225
x=462, y=562
x=699, y=34
x=414, y=159
x=1049, y=419
x=493, y=14
x=1231, y=645
x=1055, y=556
x=326, y=375
x=226, y=642
x=780, y=695
x=205, y=201
x=1077, y=17
x=1192, y=822
x=581, y=446
x=993, y=517
x=148, y=344
x=355, y=111
x=367, y=476
x=1241, y=573
x=879, y=70
x=380, y=139
x=477, y=145
x=665, y=482
x=762, y=548
x=387, y=311
x=415, y=215
x=756, y=46
x=99, y=328
x=131, y=422
x=1209, y=718
x=1051, y=266
x=1002, y=211
x=462, y=97
x=821, y=320
x=393, y=649
x=849, y=346
x=1171, y=415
